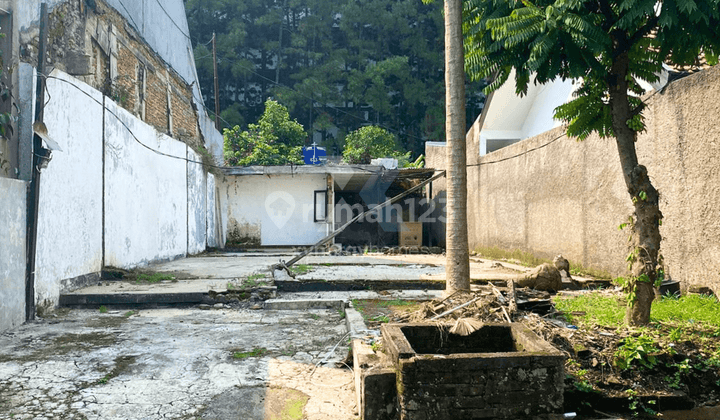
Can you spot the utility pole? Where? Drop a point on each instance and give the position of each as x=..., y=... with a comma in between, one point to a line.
x=33, y=197
x=217, y=88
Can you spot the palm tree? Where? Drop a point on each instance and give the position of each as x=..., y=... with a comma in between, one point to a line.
x=457, y=268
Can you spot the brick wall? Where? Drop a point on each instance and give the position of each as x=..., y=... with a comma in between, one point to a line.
x=100, y=48
x=156, y=106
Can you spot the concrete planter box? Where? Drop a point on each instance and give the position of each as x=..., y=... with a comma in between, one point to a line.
x=501, y=371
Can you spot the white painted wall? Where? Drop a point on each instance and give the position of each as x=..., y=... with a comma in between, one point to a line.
x=257, y=200
x=13, y=194
x=540, y=117
x=146, y=205
x=196, y=197
x=70, y=209
x=510, y=117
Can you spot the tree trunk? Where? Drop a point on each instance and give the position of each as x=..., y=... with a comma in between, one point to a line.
x=457, y=268
x=645, y=243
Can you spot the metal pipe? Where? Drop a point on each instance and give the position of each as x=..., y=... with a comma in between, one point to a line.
x=339, y=230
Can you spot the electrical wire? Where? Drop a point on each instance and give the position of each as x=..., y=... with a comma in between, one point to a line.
x=129, y=130
x=173, y=21
x=645, y=101
x=117, y=117
x=231, y=61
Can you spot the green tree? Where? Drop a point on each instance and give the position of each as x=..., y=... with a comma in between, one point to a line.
x=610, y=45
x=337, y=65
x=274, y=140
x=370, y=142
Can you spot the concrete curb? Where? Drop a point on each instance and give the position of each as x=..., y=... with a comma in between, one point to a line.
x=285, y=304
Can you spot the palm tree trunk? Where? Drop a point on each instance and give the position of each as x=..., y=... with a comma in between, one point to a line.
x=457, y=268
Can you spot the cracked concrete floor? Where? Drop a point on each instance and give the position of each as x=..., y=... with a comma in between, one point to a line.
x=177, y=363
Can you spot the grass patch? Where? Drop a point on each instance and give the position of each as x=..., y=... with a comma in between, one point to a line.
x=528, y=259
x=257, y=276
x=605, y=310
x=600, y=309
x=300, y=269
x=153, y=277
x=689, y=308
x=128, y=314
x=519, y=256
x=256, y=352
x=103, y=309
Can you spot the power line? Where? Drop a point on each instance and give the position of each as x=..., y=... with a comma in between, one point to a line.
x=311, y=98
x=126, y=126
x=173, y=21
x=645, y=101
x=129, y=130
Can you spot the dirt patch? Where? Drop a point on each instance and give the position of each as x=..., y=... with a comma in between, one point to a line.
x=122, y=365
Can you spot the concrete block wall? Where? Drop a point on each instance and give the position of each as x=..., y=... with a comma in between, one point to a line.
x=70, y=212
x=553, y=195
x=501, y=371
x=119, y=194
x=12, y=252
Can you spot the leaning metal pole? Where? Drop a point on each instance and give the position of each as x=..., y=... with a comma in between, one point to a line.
x=284, y=265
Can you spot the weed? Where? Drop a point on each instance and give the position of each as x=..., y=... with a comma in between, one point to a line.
x=257, y=276
x=103, y=309
x=584, y=386
x=230, y=286
x=104, y=379
x=256, y=352
x=128, y=314
x=376, y=346
x=341, y=312
x=383, y=319
x=314, y=316
x=675, y=335
x=636, y=349
x=154, y=277
x=300, y=269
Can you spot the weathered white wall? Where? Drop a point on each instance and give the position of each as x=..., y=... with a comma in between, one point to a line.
x=146, y=205
x=254, y=208
x=211, y=210
x=70, y=209
x=12, y=252
x=196, y=196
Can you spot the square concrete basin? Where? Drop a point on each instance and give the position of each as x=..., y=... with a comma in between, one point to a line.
x=501, y=371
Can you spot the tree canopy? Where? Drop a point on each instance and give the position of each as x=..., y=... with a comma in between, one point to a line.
x=370, y=142
x=611, y=45
x=274, y=140
x=336, y=65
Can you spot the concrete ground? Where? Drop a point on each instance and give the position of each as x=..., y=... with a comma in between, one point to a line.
x=227, y=362
x=177, y=363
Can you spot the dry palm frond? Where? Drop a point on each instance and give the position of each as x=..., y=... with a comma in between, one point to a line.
x=466, y=326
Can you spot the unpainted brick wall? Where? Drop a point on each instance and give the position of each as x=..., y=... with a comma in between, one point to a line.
x=124, y=87
x=69, y=31
x=474, y=388
x=156, y=104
